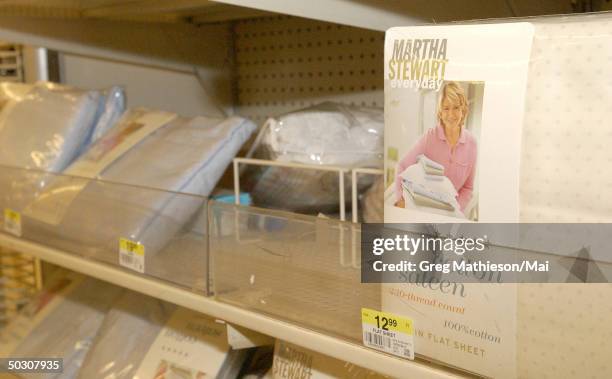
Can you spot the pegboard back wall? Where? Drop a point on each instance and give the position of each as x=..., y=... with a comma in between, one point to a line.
x=286, y=63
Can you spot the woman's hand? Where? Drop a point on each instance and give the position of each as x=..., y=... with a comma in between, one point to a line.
x=401, y=203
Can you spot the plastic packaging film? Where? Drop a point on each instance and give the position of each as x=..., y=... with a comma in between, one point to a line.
x=298, y=268
x=44, y=126
x=329, y=134
x=104, y=331
x=113, y=104
x=157, y=151
x=326, y=134
x=61, y=322
x=144, y=337
x=129, y=329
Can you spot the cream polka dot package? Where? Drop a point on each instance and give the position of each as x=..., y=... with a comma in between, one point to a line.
x=503, y=121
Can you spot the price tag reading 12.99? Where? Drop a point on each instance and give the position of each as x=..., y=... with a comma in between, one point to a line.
x=387, y=332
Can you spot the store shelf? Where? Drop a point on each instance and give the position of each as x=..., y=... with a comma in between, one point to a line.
x=88, y=218
x=173, y=46
x=175, y=34
x=369, y=14
x=297, y=334
x=290, y=276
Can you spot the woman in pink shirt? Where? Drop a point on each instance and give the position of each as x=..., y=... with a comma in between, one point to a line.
x=449, y=144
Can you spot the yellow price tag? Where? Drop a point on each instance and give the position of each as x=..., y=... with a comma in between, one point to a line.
x=392, y=154
x=12, y=215
x=12, y=222
x=132, y=255
x=387, y=332
x=131, y=246
x=387, y=321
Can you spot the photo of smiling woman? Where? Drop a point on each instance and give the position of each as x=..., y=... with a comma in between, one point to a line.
x=438, y=172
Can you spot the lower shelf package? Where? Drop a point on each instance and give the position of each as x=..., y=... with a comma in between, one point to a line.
x=61, y=322
x=129, y=328
x=148, y=149
x=294, y=362
x=145, y=337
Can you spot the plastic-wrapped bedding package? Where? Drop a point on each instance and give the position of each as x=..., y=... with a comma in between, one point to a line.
x=128, y=331
x=165, y=164
x=45, y=125
x=328, y=133
x=112, y=106
x=563, y=174
x=546, y=111
x=143, y=337
x=564, y=179
x=291, y=361
x=325, y=134
x=61, y=322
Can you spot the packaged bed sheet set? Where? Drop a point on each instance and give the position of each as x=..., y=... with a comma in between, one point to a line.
x=61, y=322
x=143, y=337
x=328, y=134
x=152, y=170
x=291, y=361
x=502, y=122
x=45, y=125
x=104, y=331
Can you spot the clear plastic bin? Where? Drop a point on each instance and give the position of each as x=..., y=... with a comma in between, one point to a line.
x=298, y=268
x=89, y=218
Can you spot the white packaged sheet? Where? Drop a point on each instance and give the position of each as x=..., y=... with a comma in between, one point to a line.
x=325, y=134
x=328, y=134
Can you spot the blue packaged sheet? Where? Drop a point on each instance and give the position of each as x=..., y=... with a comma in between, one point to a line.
x=152, y=173
x=45, y=125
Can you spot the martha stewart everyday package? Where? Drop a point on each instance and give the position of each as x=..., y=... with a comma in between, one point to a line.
x=295, y=362
x=497, y=122
x=450, y=94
